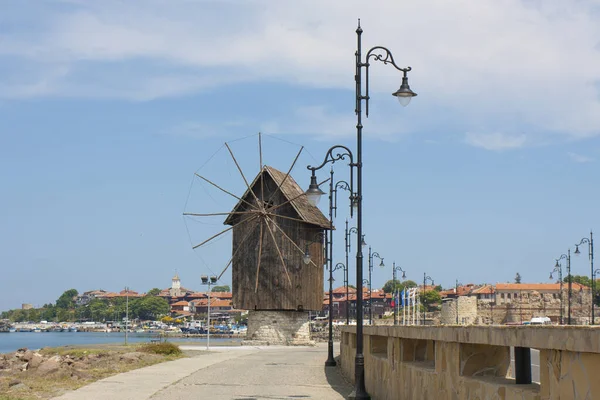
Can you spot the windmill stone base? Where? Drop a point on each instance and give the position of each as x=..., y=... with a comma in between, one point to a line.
x=288, y=328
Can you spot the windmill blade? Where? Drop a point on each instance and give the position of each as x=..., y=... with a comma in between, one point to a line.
x=258, y=202
x=280, y=255
x=286, y=175
x=216, y=214
x=285, y=217
x=259, y=255
x=220, y=188
x=239, y=247
x=291, y=241
x=224, y=231
x=262, y=180
x=285, y=202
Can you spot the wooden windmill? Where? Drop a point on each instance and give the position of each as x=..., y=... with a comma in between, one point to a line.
x=274, y=227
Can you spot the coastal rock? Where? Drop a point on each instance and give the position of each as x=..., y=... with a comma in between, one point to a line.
x=14, y=382
x=27, y=355
x=130, y=357
x=35, y=361
x=49, y=366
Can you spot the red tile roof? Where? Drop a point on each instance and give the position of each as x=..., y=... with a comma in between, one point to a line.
x=537, y=286
x=181, y=303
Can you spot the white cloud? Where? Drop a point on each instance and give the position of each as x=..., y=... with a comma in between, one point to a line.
x=499, y=63
x=579, y=158
x=495, y=141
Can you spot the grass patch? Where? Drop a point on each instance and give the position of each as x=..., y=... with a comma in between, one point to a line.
x=164, y=348
x=91, y=364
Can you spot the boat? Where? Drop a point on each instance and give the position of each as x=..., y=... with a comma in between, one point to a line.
x=37, y=330
x=72, y=329
x=11, y=330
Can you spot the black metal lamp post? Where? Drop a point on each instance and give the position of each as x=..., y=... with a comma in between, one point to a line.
x=314, y=194
x=590, y=242
x=348, y=247
x=381, y=264
x=330, y=359
x=570, y=287
x=558, y=268
x=596, y=272
x=457, y=296
x=404, y=94
x=394, y=269
x=425, y=279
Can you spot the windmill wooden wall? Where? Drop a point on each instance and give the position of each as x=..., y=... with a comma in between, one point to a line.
x=304, y=288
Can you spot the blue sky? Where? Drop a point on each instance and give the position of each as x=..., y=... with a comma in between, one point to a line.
x=107, y=109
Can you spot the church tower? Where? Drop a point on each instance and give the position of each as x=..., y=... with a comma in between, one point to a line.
x=175, y=286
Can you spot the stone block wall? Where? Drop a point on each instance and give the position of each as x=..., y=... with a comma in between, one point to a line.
x=466, y=363
x=278, y=327
x=467, y=311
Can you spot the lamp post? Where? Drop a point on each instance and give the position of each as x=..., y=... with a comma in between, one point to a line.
x=425, y=279
x=381, y=264
x=348, y=248
x=126, y=312
x=394, y=269
x=558, y=268
x=594, y=273
x=209, y=282
x=457, y=296
x=404, y=94
x=330, y=360
x=570, y=287
x=590, y=242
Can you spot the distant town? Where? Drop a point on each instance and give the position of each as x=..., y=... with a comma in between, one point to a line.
x=502, y=303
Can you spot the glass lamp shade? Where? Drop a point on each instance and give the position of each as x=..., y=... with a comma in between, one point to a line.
x=551, y=277
x=404, y=94
x=363, y=243
x=404, y=100
x=381, y=264
x=403, y=275
x=314, y=193
x=306, y=258
x=577, y=250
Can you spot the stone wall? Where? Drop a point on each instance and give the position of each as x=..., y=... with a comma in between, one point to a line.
x=535, y=304
x=467, y=311
x=278, y=327
x=471, y=362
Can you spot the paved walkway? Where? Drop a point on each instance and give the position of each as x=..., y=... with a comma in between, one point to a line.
x=239, y=373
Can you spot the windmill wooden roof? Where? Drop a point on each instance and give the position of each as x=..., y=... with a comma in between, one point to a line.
x=291, y=191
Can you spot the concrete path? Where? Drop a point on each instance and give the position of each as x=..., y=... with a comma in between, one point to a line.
x=240, y=373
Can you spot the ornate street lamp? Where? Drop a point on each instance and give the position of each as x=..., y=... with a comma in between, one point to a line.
x=425, y=279
x=404, y=94
x=363, y=244
x=209, y=282
x=590, y=243
x=394, y=291
x=570, y=287
x=381, y=264
x=558, y=268
x=330, y=359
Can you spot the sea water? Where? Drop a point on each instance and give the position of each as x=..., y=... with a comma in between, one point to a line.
x=13, y=341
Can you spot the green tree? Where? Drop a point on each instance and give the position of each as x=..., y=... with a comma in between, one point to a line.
x=438, y=288
x=390, y=286
x=408, y=283
x=149, y=308
x=430, y=298
x=224, y=288
x=153, y=292
x=581, y=279
x=66, y=300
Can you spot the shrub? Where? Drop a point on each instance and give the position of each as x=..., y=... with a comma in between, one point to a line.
x=164, y=348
